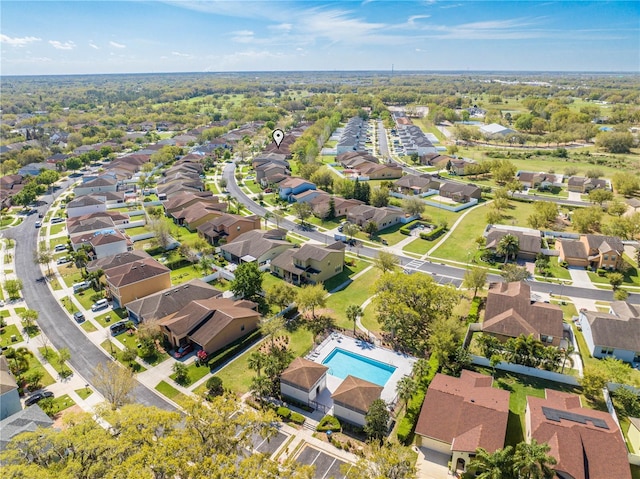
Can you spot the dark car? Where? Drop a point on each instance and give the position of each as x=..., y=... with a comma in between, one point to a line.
x=78, y=316
x=34, y=398
x=183, y=350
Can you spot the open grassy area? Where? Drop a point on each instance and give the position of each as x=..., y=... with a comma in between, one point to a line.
x=252, y=186
x=69, y=305
x=35, y=365
x=55, y=284
x=56, y=229
x=110, y=317
x=169, y=391
x=348, y=272
x=138, y=230
x=356, y=293
x=419, y=246
x=116, y=352
x=631, y=277
x=7, y=332
x=56, y=241
x=195, y=372
x=370, y=319
x=88, y=297
x=184, y=274
x=88, y=326
x=70, y=274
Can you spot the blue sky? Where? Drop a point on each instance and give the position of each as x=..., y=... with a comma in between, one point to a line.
x=137, y=36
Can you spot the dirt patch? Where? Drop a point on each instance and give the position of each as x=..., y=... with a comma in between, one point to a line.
x=58, y=419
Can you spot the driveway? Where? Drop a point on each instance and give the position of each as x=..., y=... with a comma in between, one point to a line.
x=54, y=321
x=580, y=277
x=432, y=464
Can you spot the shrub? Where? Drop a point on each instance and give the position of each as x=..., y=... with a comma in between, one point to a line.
x=297, y=418
x=564, y=264
x=405, y=231
x=283, y=412
x=328, y=423
x=432, y=234
x=601, y=272
x=474, y=310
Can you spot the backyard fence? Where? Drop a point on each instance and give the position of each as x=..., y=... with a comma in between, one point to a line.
x=527, y=371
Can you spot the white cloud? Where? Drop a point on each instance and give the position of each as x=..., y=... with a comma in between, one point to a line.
x=62, y=46
x=281, y=27
x=94, y=46
x=179, y=54
x=117, y=45
x=242, y=36
x=18, y=41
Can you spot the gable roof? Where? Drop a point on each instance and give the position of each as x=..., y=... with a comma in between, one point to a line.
x=356, y=394
x=7, y=381
x=527, y=242
x=170, y=300
x=26, y=420
x=466, y=412
x=604, y=243
x=256, y=243
x=586, y=443
x=510, y=312
x=303, y=374
x=620, y=330
x=117, y=260
x=573, y=248
x=134, y=272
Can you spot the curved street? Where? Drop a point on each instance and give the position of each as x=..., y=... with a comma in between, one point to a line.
x=441, y=272
x=54, y=320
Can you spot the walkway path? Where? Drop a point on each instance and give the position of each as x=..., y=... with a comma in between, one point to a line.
x=580, y=277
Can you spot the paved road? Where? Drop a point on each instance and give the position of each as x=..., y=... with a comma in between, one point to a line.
x=383, y=144
x=442, y=273
x=53, y=320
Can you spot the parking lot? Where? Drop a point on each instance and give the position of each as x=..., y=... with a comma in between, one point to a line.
x=268, y=447
x=327, y=466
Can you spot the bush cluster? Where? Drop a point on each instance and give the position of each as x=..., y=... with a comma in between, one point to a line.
x=432, y=234
x=328, y=423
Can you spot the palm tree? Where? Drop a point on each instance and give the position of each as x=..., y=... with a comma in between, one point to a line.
x=405, y=389
x=531, y=461
x=496, y=465
x=256, y=362
x=420, y=369
x=267, y=216
x=20, y=359
x=353, y=313
x=567, y=356
x=509, y=245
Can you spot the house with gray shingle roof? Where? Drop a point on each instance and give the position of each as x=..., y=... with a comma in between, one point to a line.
x=310, y=264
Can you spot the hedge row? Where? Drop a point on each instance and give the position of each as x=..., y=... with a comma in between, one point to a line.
x=234, y=348
x=407, y=424
x=406, y=229
x=473, y=315
x=433, y=234
x=328, y=423
x=288, y=415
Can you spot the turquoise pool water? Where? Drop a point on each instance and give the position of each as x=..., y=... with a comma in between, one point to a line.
x=343, y=363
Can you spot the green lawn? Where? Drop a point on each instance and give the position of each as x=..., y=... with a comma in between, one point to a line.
x=7, y=332
x=370, y=319
x=169, y=391
x=70, y=274
x=195, y=372
x=84, y=393
x=138, y=230
x=55, y=284
x=52, y=358
x=419, y=246
x=115, y=351
x=56, y=229
x=88, y=327
x=348, y=272
x=252, y=186
x=356, y=293
x=61, y=403
x=36, y=365
x=558, y=271
x=113, y=315
x=631, y=277
x=89, y=296
x=69, y=305
x=56, y=241
x=184, y=274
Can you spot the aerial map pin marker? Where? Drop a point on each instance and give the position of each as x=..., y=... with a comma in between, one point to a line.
x=278, y=136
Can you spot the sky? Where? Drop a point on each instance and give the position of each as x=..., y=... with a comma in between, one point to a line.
x=152, y=36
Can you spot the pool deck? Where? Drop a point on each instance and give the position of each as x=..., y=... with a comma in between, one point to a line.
x=402, y=362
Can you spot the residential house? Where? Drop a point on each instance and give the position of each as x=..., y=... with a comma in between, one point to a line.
x=436, y=159
x=460, y=192
x=377, y=171
x=103, y=243
x=185, y=140
x=384, y=217
x=86, y=205
x=9, y=186
x=581, y=184
x=320, y=203
x=25, y=420
x=170, y=300
x=541, y=181
x=495, y=130
x=303, y=380
x=352, y=159
x=292, y=186
x=353, y=136
x=116, y=260
x=614, y=334
x=99, y=185
x=136, y=280
x=184, y=199
x=310, y=264
x=415, y=141
x=9, y=397
x=34, y=169
x=309, y=195
x=198, y=213
x=256, y=245
x=353, y=398
x=593, y=251
x=586, y=443
x=105, y=220
x=211, y=324
x=510, y=312
x=226, y=228
x=415, y=185
x=529, y=240
x=459, y=415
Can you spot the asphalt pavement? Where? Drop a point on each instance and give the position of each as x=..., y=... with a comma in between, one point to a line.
x=54, y=320
x=441, y=272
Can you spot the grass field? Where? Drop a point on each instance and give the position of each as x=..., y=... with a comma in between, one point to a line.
x=169, y=391
x=419, y=246
x=56, y=229
x=61, y=403
x=356, y=293
x=194, y=373
x=7, y=332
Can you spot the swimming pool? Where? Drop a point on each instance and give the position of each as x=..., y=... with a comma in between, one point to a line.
x=343, y=363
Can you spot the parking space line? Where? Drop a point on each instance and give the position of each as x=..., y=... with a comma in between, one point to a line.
x=329, y=468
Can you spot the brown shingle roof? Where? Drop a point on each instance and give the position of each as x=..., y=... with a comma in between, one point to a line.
x=466, y=412
x=514, y=300
x=133, y=272
x=171, y=300
x=573, y=249
x=117, y=260
x=356, y=394
x=527, y=243
x=614, y=331
x=303, y=373
x=583, y=449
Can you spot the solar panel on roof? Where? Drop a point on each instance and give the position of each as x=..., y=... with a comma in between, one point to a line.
x=557, y=414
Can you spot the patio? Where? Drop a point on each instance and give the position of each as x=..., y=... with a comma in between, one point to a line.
x=402, y=362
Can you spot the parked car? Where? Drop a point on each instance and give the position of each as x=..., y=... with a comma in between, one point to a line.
x=63, y=260
x=60, y=247
x=39, y=396
x=183, y=351
x=38, y=224
x=100, y=304
x=56, y=219
x=268, y=190
x=78, y=316
x=118, y=328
